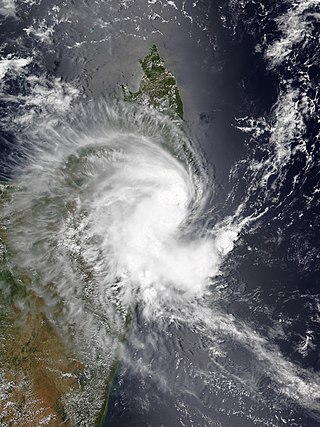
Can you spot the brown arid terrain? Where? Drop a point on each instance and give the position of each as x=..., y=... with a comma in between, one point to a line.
x=37, y=368
x=38, y=373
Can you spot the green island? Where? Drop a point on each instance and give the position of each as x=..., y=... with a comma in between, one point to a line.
x=40, y=371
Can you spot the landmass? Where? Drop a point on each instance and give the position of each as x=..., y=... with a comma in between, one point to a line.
x=40, y=371
x=158, y=87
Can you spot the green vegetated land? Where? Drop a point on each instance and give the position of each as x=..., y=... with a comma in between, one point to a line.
x=158, y=87
x=38, y=370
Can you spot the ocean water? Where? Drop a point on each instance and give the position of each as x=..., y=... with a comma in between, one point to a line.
x=214, y=259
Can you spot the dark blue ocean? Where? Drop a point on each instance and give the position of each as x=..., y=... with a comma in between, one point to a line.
x=246, y=351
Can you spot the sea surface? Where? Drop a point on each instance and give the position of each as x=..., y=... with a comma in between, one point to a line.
x=220, y=258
